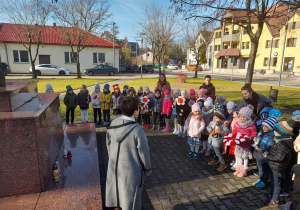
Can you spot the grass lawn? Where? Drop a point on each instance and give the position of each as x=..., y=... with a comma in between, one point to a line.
x=59, y=85
x=288, y=98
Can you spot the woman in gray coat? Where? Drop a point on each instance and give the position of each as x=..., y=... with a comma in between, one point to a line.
x=129, y=159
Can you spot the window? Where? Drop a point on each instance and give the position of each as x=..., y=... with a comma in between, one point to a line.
x=217, y=33
x=244, y=31
x=234, y=61
x=247, y=45
x=274, y=62
x=98, y=58
x=69, y=58
x=266, y=60
x=219, y=47
x=268, y=44
x=234, y=46
x=21, y=56
x=291, y=42
x=276, y=44
x=225, y=46
x=294, y=25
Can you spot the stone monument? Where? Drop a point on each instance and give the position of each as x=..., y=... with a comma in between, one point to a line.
x=2, y=79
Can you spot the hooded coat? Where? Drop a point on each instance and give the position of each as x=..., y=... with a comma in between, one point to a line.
x=71, y=100
x=129, y=162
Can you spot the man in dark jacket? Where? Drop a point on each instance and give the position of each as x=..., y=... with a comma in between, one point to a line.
x=280, y=156
x=208, y=86
x=71, y=102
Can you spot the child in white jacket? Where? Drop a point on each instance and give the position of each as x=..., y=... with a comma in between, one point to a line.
x=194, y=126
x=96, y=103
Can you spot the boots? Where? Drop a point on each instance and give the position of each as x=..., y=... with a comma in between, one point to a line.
x=153, y=127
x=159, y=128
x=202, y=152
x=167, y=129
x=222, y=167
x=243, y=172
x=238, y=170
x=207, y=153
x=213, y=162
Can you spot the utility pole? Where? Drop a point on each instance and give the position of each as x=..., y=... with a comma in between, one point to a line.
x=142, y=61
x=114, y=46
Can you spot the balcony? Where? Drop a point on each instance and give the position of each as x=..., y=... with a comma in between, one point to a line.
x=231, y=37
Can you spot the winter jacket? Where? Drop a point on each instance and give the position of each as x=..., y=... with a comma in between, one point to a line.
x=107, y=97
x=95, y=100
x=128, y=163
x=71, y=100
x=216, y=133
x=115, y=101
x=84, y=100
x=167, y=105
x=210, y=89
x=207, y=117
x=266, y=141
x=157, y=104
x=194, y=127
x=249, y=131
x=186, y=108
x=280, y=155
x=162, y=88
x=150, y=96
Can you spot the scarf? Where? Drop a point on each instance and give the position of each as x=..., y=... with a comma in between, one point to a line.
x=245, y=124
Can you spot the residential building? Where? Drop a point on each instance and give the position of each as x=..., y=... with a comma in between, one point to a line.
x=203, y=37
x=134, y=46
x=232, y=44
x=147, y=57
x=53, y=49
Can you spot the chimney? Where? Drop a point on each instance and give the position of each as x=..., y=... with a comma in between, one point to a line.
x=54, y=24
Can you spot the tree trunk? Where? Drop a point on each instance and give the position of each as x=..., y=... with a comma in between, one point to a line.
x=196, y=70
x=252, y=57
x=78, y=66
x=32, y=67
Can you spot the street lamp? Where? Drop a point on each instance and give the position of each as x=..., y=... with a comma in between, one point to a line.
x=142, y=61
x=114, y=45
x=136, y=50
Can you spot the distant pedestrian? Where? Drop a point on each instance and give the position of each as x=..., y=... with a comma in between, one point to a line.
x=84, y=100
x=71, y=101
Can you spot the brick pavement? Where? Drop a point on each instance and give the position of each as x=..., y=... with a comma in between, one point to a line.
x=180, y=182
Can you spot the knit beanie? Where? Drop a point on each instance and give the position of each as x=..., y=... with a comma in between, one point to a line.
x=177, y=91
x=221, y=100
x=131, y=89
x=166, y=92
x=201, y=92
x=196, y=107
x=275, y=113
x=97, y=86
x=49, y=87
x=184, y=92
x=247, y=111
x=266, y=111
x=106, y=86
x=192, y=92
x=125, y=87
x=219, y=115
x=285, y=128
x=158, y=91
x=296, y=114
x=146, y=88
x=230, y=105
x=69, y=88
x=218, y=107
x=270, y=123
x=116, y=87
x=209, y=102
x=141, y=88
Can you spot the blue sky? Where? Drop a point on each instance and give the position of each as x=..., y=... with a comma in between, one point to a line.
x=128, y=12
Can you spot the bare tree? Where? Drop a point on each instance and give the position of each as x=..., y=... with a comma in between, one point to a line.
x=79, y=18
x=29, y=16
x=159, y=28
x=244, y=13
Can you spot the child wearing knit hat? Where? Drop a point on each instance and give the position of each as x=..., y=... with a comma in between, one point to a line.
x=201, y=94
x=84, y=100
x=296, y=118
x=217, y=129
x=71, y=101
x=276, y=113
x=243, y=152
x=95, y=100
x=105, y=98
x=146, y=108
x=182, y=110
x=193, y=95
x=230, y=106
x=280, y=156
x=194, y=126
x=167, y=109
x=157, y=109
x=49, y=88
x=176, y=94
x=115, y=102
x=208, y=114
x=263, y=142
x=139, y=96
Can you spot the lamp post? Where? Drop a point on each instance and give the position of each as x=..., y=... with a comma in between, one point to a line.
x=114, y=46
x=142, y=60
x=136, y=50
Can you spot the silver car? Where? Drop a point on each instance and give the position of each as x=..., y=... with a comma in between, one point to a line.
x=49, y=69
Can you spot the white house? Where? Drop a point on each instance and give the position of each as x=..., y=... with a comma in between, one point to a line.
x=53, y=50
x=203, y=37
x=147, y=57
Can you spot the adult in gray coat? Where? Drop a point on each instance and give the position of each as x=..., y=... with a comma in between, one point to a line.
x=258, y=101
x=129, y=159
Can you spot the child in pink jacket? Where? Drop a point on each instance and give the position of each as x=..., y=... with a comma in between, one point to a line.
x=242, y=152
x=167, y=109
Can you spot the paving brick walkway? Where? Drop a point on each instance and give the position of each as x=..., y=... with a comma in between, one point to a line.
x=180, y=182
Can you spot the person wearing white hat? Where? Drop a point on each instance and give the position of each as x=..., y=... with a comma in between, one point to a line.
x=176, y=93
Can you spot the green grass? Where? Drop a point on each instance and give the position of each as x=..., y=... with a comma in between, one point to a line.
x=59, y=85
x=288, y=98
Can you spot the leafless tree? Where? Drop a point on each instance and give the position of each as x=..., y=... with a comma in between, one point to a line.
x=159, y=27
x=29, y=16
x=79, y=18
x=246, y=13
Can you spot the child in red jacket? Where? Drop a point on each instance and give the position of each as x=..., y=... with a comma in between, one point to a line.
x=167, y=109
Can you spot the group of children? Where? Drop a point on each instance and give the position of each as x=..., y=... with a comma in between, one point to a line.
x=209, y=121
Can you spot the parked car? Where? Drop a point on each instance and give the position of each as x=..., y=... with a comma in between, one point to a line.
x=147, y=68
x=101, y=69
x=172, y=66
x=132, y=68
x=161, y=65
x=5, y=68
x=193, y=67
x=122, y=68
x=44, y=69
